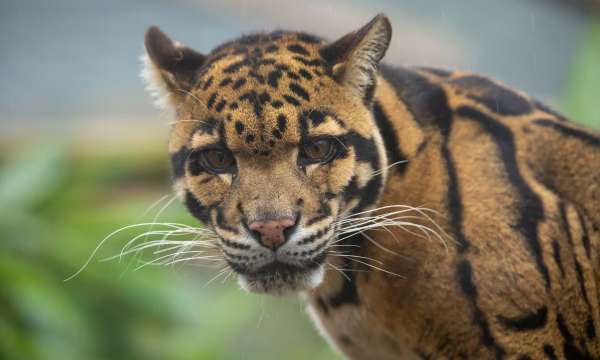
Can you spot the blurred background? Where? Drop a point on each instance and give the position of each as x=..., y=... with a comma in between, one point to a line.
x=83, y=153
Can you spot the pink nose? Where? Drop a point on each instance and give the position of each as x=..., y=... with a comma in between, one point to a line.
x=271, y=231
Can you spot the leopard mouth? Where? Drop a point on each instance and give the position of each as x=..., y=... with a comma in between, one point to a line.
x=279, y=278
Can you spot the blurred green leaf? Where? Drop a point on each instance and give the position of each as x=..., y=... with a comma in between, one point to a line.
x=581, y=100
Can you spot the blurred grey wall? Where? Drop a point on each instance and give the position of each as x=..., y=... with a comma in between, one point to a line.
x=71, y=65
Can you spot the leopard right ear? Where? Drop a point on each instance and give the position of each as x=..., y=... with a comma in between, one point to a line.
x=169, y=68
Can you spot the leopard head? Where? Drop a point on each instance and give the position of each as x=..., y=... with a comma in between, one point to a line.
x=274, y=142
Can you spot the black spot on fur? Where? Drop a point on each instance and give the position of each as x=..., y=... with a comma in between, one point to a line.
x=291, y=100
x=207, y=83
x=308, y=38
x=238, y=83
x=234, y=105
x=312, y=62
x=252, y=98
x=300, y=91
x=276, y=104
x=249, y=138
x=239, y=127
x=292, y=75
x=298, y=49
x=271, y=49
x=264, y=97
x=211, y=100
x=220, y=105
x=281, y=123
x=225, y=82
x=273, y=78
x=305, y=74
x=276, y=133
x=208, y=126
x=494, y=96
x=236, y=66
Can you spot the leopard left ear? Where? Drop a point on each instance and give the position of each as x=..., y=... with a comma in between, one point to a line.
x=170, y=68
x=355, y=57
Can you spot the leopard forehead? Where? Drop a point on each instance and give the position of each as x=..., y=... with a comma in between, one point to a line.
x=256, y=90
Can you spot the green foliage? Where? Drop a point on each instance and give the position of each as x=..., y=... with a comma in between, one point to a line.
x=581, y=99
x=56, y=209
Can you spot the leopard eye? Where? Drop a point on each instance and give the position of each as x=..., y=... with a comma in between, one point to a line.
x=217, y=161
x=318, y=151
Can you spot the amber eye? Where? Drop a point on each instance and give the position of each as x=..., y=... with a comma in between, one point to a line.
x=318, y=151
x=217, y=161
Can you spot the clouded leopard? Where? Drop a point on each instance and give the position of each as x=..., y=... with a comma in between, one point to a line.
x=422, y=213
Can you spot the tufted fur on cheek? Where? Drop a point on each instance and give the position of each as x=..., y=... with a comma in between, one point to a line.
x=169, y=68
x=355, y=57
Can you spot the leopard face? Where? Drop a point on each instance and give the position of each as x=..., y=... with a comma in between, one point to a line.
x=274, y=143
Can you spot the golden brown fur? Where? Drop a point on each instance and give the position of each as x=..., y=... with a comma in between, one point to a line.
x=515, y=187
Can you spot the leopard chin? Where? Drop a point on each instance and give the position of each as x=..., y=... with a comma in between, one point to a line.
x=280, y=279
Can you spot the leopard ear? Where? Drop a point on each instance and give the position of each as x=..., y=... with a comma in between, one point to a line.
x=355, y=57
x=169, y=67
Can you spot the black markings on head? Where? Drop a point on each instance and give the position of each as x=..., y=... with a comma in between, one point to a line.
x=220, y=105
x=234, y=105
x=305, y=74
x=208, y=125
x=252, y=98
x=276, y=104
x=238, y=83
x=264, y=97
x=239, y=127
x=225, y=82
x=271, y=49
x=316, y=117
x=207, y=83
x=281, y=123
x=273, y=78
x=211, y=100
x=300, y=91
x=292, y=100
x=494, y=96
x=298, y=49
x=292, y=75
x=236, y=66
x=313, y=62
x=308, y=38
x=257, y=76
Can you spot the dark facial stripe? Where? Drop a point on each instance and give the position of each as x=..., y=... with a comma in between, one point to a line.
x=465, y=279
x=526, y=322
x=531, y=210
x=348, y=294
x=178, y=162
x=586, y=137
x=196, y=208
x=390, y=140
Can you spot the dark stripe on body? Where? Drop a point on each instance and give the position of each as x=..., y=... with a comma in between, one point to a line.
x=390, y=139
x=530, y=205
x=526, y=322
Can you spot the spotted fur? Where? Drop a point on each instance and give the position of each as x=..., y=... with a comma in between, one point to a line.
x=516, y=187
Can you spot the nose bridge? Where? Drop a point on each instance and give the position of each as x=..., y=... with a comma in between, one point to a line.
x=269, y=191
